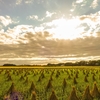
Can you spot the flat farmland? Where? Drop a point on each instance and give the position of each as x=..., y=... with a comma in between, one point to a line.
x=49, y=83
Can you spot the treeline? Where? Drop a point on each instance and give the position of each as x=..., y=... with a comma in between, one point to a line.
x=79, y=63
x=9, y=65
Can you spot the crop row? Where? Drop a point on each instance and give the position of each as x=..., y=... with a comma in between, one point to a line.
x=50, y=84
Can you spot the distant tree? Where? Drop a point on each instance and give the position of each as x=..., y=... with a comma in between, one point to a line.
x=9, y=65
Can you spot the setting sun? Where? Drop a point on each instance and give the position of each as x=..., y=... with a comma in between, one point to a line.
x=66, y=29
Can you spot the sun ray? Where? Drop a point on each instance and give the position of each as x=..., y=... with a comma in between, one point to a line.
x=66, y=29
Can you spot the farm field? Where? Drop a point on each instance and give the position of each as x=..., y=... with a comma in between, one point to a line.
x=50, y=83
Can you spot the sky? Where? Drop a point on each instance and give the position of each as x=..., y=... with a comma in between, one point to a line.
x=49, y=31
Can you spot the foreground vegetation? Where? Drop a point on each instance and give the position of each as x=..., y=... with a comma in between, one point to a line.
x=66, y=83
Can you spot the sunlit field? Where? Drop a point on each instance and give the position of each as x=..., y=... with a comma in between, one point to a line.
x=39, y=83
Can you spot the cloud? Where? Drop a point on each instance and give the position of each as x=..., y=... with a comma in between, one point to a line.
x=35, y=17
x=11, y=36
x=91, y=22
x=34, y=47
x=84, y=7
x=98, y=33
x=24, y=43
x=72, y=28
x=49, y=33
x=18, y=2
x=23, y=34
x=41, y=50
x=29, y=1
x=79, y=1
x=48, y=14
x=94, y=4
x=6, y=20
x=76, y=27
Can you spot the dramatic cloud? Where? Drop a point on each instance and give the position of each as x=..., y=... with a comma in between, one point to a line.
x=39, y=46
x=49, y=31
x=92, y=22
x=12, y=35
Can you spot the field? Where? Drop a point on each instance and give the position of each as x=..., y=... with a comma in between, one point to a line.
x=50, y=83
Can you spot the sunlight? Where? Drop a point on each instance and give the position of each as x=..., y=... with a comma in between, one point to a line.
x=66, y=29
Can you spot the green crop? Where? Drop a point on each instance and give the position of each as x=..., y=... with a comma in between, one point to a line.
x=69, y=83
